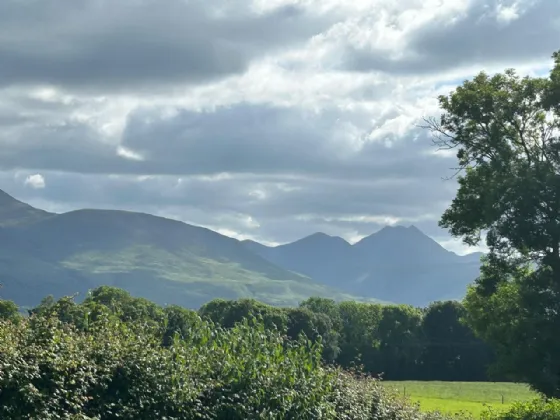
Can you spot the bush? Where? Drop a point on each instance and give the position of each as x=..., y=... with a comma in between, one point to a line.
x=538, y=409
x=120, y=370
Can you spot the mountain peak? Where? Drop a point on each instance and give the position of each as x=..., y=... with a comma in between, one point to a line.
x=393, y=242
x=395, y=231
x=320, y=237
x=16, y=213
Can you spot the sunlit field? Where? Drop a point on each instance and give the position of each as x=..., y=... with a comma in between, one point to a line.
x=457, y=397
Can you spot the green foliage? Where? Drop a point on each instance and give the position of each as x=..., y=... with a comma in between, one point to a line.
x=54, y=366
x=450, y=348
x=178, y=323
x=398, y=342
x=401, y=340
x=128, y=308
x=315, y=326
x=9, y=310
x=504, y=129
x=538, y=409
x=227, y=313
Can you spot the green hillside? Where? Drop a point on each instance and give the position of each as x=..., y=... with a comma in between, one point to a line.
x=164, y=260
x=16, y=213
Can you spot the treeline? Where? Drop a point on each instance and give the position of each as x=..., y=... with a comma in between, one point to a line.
x=395, y=342
x=399, y=342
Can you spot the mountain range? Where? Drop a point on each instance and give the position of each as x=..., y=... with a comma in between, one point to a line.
x=165, y=260
x=171, y=262
x=397, y=264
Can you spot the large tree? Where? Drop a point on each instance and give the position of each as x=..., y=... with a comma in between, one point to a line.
x=505, y=129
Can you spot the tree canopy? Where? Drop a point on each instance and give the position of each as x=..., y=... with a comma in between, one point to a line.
x=505, y=129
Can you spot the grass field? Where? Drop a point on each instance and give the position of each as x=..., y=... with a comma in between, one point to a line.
x=455, y=397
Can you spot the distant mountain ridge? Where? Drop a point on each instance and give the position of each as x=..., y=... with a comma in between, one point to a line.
x=14, y=212
x=169, y=261
x=397, y=263
x=165, y=260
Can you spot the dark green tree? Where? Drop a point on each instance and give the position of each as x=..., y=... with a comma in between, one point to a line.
x=227, y=313
x=178, y=322
x=324, y=306
x=9, y=310
x=314, y=326
x=505, y=130
x=359, y=339
x=451, y=351
x=46, y=303
x=400, y=341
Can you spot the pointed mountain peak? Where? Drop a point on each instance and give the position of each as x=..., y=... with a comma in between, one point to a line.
x=396, y=232
x=393, y=242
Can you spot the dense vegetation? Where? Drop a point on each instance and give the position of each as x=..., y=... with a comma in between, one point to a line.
x=116, y=357
x=506, y=132
x=396, y=342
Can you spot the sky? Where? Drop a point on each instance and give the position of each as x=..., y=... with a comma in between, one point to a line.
x=260, y=119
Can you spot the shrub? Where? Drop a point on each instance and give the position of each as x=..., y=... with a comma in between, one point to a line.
x=117, y=370
x=538, y=409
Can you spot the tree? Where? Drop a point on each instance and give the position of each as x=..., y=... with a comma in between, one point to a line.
x=505, y=131
x=314, y=325
x=359, y=334
x=451, y=351
x=228, y=313
x=178, y=321
x=127, y=307
x=400, y=341
x=9, y=310
x=46, y=303
x=325, y=306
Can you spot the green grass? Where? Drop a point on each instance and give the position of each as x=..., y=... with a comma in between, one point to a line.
x=456, y=397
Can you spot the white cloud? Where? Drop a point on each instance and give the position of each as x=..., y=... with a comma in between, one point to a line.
x=129, y=154
x=35, y=181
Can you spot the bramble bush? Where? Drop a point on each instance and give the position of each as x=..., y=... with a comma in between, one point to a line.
x=111, y=369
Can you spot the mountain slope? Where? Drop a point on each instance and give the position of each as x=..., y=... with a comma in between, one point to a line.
x=15, y=213
x=317, y=256
x=161, y=259
x=397, y=264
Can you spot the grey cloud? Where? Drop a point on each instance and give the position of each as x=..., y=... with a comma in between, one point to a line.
x=228, y=202
x=252, y=139
x=475, y=39
x=263, y=139
x=68, y=146
x=120, y=45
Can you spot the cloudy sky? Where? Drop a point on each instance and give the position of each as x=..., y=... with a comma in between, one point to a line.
x=262, y=119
